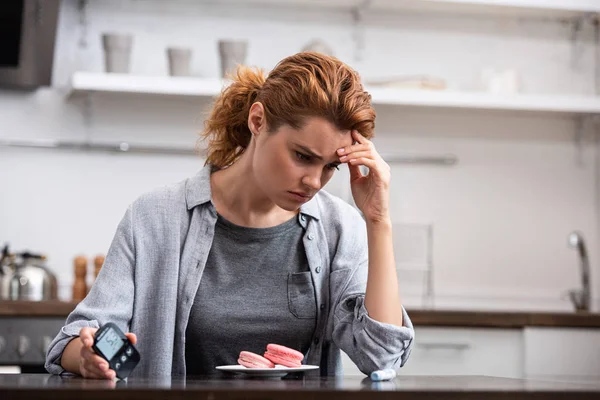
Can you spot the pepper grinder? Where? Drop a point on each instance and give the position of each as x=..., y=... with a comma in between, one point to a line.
x=80, y=284
x=98, y=261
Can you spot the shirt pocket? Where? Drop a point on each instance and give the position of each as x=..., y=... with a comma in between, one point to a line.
x=301, y=295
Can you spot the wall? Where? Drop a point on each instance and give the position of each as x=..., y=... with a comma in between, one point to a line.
x=500, y=217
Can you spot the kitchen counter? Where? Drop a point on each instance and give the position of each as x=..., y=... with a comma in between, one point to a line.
x=441, y=318
x=35, y=308
x=499, y=319
x=42, y=386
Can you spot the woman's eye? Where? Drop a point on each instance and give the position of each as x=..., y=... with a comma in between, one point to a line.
x=308, y=159
x=302, y=157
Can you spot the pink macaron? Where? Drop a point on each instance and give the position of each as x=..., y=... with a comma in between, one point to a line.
x=284, y=355
x=251, y=360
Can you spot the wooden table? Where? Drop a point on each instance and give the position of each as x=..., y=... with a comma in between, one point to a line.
x=42, y=386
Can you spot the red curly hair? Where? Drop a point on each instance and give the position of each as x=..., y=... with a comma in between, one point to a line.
x=304, y=85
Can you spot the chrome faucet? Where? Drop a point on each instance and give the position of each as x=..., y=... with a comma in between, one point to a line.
x=581, y=297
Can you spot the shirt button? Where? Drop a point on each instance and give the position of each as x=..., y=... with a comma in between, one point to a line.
x=322, y=306
x=318, y=269
x=316, y=340
x=311, y=236
x=302, y=218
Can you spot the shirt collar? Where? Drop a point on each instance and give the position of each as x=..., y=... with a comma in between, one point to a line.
x=197, y=188
x=198, y=192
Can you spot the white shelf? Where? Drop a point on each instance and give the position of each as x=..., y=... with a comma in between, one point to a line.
x=558, y=8
x=484, y=101
x=566, y=5
x=88, y=82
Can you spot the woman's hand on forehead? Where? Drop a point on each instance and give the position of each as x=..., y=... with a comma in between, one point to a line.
x=371, y=191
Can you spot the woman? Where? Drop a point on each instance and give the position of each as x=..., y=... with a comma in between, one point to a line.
x=250, y=251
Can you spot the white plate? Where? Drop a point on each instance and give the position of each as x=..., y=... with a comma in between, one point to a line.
x=278, y=371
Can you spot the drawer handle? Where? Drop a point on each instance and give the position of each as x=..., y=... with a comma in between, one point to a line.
x=23, y=345
x=444, y=346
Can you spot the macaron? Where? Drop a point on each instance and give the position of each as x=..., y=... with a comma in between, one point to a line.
x=252, y=360
x=284, y=355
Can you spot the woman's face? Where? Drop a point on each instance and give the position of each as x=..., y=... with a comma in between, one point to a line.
x=292, y=165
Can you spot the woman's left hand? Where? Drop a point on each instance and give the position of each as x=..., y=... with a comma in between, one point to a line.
x=371, y=191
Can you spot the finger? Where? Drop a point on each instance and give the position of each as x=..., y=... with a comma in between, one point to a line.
x=359, y=138
x=91, y=358
x=344, y=151
x=354, y=172
x=91, y=370
x=359, y=154
x=132, y=337
x=110, y=374
x=371, y=164
x=92, y=365
x=95, y=365
x=87, y=336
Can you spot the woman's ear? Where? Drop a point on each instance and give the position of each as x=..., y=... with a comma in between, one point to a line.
x=256, y=118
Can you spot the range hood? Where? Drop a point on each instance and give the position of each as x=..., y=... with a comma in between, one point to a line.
x=27, y=37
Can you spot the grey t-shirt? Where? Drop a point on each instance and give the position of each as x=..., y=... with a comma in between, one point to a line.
x=256, y=289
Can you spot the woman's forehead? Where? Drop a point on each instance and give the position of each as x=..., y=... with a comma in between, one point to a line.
x=320, y=131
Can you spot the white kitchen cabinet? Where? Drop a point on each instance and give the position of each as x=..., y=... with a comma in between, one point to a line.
x=562, y=352
x=461, y=351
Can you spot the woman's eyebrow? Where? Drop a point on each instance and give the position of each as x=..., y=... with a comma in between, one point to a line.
x=309, y=152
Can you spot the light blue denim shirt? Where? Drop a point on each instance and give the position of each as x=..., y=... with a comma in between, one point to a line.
x=153, y=268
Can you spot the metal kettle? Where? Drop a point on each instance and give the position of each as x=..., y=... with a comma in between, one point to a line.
x=25, y=276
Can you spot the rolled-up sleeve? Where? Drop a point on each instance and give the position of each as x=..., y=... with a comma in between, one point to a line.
x=109, y=300
x=370, y=344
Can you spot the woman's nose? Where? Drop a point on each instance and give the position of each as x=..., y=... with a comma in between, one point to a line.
x=313, y=181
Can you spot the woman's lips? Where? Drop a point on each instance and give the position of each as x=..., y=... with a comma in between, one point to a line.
x=300, y=196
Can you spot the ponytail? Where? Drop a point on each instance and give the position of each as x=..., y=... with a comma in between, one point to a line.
x=226, y=128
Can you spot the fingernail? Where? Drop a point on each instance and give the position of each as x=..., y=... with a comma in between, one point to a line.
x=342, y=158
x=340, y=151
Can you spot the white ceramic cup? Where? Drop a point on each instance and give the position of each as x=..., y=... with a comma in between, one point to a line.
x=232, y=53
x=179, y=61
x=117, y=52
x=500, y=82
